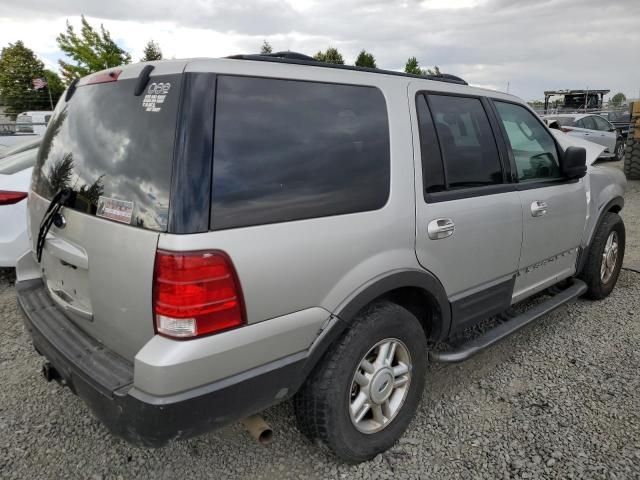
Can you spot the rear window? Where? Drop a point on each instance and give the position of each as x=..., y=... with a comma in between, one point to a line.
x=289, y=150
x=114, y=150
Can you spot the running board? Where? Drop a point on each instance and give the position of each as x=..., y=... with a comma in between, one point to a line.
x=501, y=331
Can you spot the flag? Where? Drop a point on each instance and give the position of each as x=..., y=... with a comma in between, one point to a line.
x=39, y=83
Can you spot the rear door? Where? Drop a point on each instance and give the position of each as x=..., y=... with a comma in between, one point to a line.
x=553, y=209
x=114, y=151
x=468, y=215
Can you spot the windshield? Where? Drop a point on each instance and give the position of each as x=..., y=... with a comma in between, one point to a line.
x=114, y=150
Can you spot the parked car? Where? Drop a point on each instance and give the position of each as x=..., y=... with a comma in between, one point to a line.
x=16, y=165
x=620, y=120
x=594, y=128
x=33, y=122
x=313, y=243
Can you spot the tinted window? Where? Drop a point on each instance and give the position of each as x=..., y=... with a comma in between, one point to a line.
x=533, y=147
x=288, y=150
x=587, y=122
x=601, y=124
x=466, y=140
x=106, y=143
x=432, y=170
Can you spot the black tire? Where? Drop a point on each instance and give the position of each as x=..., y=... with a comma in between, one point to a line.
x=619, y=150
x=322, y=404
x=597, y=289
x=632, y=156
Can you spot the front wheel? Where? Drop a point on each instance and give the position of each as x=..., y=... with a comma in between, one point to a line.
x=605, y=256
x=619, y=150
x=361, y=397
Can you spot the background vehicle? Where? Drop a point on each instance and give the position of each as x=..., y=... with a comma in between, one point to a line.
x=184, y=274
x=563, y=101
x=619, y=119
x=33, y=122
x=593, y=128
x=16, y=165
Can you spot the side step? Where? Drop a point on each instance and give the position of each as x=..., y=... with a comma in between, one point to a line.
x=501, y=331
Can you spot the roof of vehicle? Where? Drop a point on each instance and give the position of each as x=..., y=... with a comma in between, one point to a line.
x=296, y=68
x=34, y=112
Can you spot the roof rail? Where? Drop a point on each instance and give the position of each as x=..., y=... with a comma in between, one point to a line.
x=302, y=59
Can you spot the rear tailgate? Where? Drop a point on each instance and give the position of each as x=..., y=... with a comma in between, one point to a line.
x=114, y=151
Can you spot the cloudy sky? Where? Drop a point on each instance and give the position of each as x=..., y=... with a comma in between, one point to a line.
x=532, y=45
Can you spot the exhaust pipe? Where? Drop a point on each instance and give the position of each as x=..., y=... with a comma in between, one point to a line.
x=49, y=372
x=259, y=430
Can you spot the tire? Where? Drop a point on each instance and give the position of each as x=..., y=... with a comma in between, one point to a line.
x=632, y=157
x=599, y=284
x=619, y=150
x=323, y=406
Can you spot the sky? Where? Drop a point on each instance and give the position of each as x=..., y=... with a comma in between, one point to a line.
x=526, y=46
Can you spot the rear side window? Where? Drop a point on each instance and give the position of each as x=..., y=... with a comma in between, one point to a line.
x=289, y=150
x=587, y=122
x=469, y=150
x=432, y=169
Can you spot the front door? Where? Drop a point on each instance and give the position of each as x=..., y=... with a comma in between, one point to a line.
x=468, y=216
x=553, y=209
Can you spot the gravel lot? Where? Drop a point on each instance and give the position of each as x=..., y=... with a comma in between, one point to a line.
x=560, y=399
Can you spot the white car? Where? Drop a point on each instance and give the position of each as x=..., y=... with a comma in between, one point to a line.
x=593, y=128
x=16, y=165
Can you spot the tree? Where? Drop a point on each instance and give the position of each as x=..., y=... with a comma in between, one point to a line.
x=151, y=52
x=266, y=48
x=18, y=67
x=91, y=51
x=435, y=72
x=331, y=55
x=412, y=66
x=618, y=99
x=365, y=59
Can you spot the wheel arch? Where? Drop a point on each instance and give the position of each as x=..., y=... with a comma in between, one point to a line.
x=418, y=291
x=615, y=205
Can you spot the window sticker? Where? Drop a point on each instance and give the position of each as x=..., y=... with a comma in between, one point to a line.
x=113, y=209
x=156, y=94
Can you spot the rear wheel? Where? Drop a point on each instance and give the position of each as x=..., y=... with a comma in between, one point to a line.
x=362, y=396
x=605, y=257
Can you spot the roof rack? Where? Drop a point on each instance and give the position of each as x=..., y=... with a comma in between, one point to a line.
x=302, y=59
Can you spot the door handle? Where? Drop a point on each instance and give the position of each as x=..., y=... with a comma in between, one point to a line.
x=440, y=228
x=538, y=208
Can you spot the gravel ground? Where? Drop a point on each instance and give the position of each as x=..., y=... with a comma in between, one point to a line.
x=560, y=399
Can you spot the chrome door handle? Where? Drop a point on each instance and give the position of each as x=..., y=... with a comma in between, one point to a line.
x=440, y=228
x=538, y=208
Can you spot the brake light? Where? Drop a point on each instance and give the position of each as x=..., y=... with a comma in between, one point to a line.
x=196, y=294
x=102, y=77
x=9, y=197
x=565, y=129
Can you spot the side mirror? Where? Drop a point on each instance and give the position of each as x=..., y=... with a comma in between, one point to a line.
x=574, y=162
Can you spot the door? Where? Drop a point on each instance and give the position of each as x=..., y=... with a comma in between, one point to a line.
x=606, y=134
x=584, y=128
x=469, y=218
x=553, y=210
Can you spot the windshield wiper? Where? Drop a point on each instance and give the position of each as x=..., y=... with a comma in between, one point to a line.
x=57, y=202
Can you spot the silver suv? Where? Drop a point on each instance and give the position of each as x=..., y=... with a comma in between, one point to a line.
x=214, y=236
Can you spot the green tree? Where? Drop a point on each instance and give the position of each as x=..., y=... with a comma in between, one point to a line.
x=151, y=52
x=331, y=55
x=412, y=66
x=365, y=59
x=90, y=51
x=18, y=67
x=618, y=99
x=435, y=72
x=266, y=48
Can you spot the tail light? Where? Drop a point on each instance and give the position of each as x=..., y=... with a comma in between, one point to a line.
x=196, y=294
x=10, y=197
x=102, y=77
x=565, y=129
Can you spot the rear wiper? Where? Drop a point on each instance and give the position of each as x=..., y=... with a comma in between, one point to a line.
x=57, y=202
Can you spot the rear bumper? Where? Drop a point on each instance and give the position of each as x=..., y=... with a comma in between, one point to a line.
x=105, y=381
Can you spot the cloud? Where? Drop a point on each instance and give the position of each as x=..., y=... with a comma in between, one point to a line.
x=533, y=45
